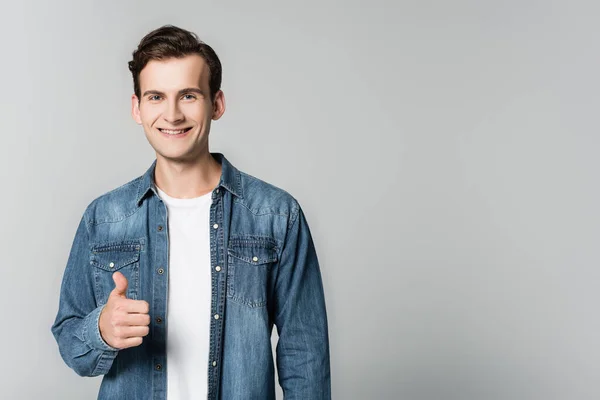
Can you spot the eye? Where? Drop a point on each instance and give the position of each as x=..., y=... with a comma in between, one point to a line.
x=189, y=96
x=153, y=97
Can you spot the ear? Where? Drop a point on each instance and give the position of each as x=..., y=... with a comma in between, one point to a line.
x=135, y=109
x=218, y=105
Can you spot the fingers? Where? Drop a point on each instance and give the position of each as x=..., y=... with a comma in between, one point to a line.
x=123, y=322
x=128, y=336
x=124, y=332
x=133, y=306
x=136, y=320
x=129, y=342
x=120, y=284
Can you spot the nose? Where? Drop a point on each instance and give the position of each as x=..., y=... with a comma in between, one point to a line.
x=173, y=113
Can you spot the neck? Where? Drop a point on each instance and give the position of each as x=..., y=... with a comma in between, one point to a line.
x=186, y=180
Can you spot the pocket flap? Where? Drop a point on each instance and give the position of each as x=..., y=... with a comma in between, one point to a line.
x=254, y=255
x=114, y=256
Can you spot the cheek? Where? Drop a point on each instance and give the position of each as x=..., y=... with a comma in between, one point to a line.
x=198, y=112
x=150, y=115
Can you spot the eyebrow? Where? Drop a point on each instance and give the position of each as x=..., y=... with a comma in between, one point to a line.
x=179, y=93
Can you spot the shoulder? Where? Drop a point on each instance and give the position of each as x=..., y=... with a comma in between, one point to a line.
x=262, y=197
x=114, y=205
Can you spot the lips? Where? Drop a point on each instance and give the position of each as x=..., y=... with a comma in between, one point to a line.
x=174, y=131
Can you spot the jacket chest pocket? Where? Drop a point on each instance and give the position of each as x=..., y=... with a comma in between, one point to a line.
x=249, y=264
x=109, y=258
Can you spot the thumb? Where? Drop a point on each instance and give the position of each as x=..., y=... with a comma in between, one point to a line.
x=120, y=284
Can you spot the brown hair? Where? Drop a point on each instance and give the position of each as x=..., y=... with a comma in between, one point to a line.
x=170, y=41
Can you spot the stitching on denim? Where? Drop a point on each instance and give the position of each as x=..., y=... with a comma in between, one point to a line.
x=97, y=222
x=257, y=212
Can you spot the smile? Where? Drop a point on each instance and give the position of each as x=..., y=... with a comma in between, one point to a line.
x=174, y=131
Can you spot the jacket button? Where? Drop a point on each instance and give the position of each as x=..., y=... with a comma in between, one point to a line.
x=158, y=367
x=216, y=316
x=217, y=268
x=255, y=259
x=160, y=228
x=215, y=226
x=214, y=363
x=160, y=271
x=158, y=320
x=112, y=265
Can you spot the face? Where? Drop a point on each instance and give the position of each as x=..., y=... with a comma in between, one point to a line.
x=175, y=108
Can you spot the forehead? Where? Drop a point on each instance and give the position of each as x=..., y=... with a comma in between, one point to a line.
x=173, y=74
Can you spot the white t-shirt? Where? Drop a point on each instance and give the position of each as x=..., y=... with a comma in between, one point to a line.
x=189, y=295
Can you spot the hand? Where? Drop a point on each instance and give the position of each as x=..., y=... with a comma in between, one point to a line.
x=123, y=322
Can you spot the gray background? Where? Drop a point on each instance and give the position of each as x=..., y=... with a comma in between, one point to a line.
x=445, y=154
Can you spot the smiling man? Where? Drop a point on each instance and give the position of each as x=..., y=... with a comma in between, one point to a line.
x=175, y=279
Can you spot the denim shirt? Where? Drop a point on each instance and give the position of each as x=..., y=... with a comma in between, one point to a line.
x=264, y=271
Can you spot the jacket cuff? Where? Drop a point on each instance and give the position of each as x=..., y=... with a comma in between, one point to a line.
x=91, y=331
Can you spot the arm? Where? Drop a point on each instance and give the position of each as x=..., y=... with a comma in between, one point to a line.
x=300, y=317
x=76, y=325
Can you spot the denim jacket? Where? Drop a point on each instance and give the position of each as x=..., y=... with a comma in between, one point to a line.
x=264, y=271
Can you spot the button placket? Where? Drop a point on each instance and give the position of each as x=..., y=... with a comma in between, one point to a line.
x=216, y=237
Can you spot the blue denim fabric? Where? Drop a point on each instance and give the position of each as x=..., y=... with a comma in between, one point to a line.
x=269, y=274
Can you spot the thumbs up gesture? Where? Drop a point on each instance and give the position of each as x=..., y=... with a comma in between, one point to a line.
x=123, y=322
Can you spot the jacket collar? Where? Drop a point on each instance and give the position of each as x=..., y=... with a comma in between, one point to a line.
x=230, y=179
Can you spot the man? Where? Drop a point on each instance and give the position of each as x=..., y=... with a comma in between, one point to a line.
x=175, y=279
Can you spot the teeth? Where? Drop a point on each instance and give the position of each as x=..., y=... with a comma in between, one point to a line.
x=172, y=132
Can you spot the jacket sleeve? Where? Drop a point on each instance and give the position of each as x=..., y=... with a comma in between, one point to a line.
x=300, y=316
x=76, y=325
